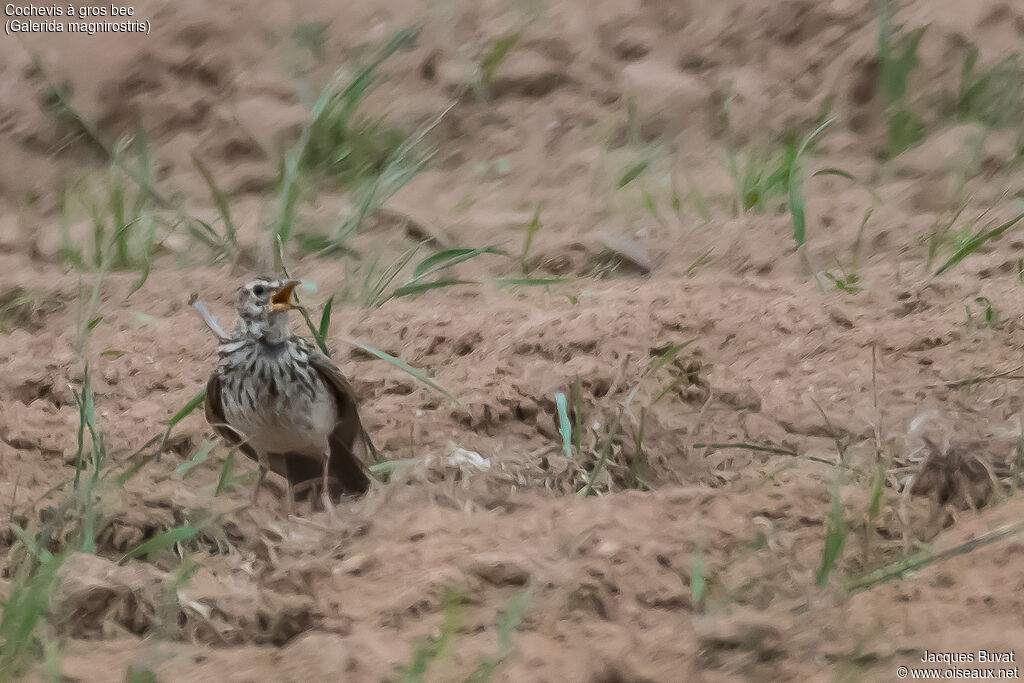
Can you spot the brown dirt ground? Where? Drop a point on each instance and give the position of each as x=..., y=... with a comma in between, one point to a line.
x=772, y=352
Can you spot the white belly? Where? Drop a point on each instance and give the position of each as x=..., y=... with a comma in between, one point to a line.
x=279, y=424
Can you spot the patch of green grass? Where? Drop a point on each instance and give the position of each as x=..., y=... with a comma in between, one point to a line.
x=226, y=243
x=226, y=480
x=772, y=181
x=434, y=647
x=400, y=167
x=23, y=612
x=510, y=620
x=130, y=213
x=794, y=182
x=608, y=443
x=312, y=35
x=836, y=528
x=19, y=306
x=77, y=511
x=989, y=315
x=72, y=524
x=342, y=142
x=908, y=566
x=164, y=541
x=698, y=587
x=993, y=95
x=136, y=674
x=844, y=281
x=974, y=241
x=897, y=59
x=358, y=152
x=379, y=284
x=492, y=59
x=38, y=553
x=124, y=215
x=532, y=228
x=759, y=181
x=847, y=280
x=835, y=533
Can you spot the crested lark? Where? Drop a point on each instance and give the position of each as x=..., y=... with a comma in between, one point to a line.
x=281, y=401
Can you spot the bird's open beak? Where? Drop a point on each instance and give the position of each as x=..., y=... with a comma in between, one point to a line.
x=282, y=300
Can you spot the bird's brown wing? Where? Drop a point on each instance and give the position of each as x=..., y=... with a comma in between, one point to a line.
x=278, y=463
x=215, y=416
x=346, y=467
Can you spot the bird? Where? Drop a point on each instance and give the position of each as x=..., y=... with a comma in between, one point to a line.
x=282, y=402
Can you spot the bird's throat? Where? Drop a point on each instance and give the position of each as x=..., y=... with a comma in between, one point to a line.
x=276, y=331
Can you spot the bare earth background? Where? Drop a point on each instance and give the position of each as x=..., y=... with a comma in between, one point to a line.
x=702, y=566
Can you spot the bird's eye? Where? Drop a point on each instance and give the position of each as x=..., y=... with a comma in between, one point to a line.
x=258, y=290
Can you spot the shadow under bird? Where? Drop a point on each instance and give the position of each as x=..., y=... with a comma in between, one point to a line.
x=279, y=399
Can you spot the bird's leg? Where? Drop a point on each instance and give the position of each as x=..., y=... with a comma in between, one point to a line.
x=289, y=496
x=325, y=491
x=259, y=482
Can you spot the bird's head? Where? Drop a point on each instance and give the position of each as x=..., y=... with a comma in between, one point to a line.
x=263, y=303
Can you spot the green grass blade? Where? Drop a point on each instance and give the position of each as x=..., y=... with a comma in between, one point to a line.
x=32, y=544
x=515, y=608
x=81, y=436
x=976, y=241
x=698, y=587
x=835, y=534
x=24, y=608
x=531, y=230
x=375, y=294
x=189, y=407
x=813, y=135
x=908, y=566
x=185, y=468
x=797, y=211
x=325, y=319
x=220, y=200
x=147, y=266
x=668, y=356
x=420, y=287
x=835, y=171
x=496, y=55
x=531, y=281
x=577, y=418
x=167, y=539
x=510, y=620
x=434, y=648
x=564, y=426
x=136, y=674
x=389, y=466
x=633, y=172
x=416, y=374
x=606, y=449
x=385, y=470
x=794, y=182
x=451, y=257
x=225, y=473
x=288, y=194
